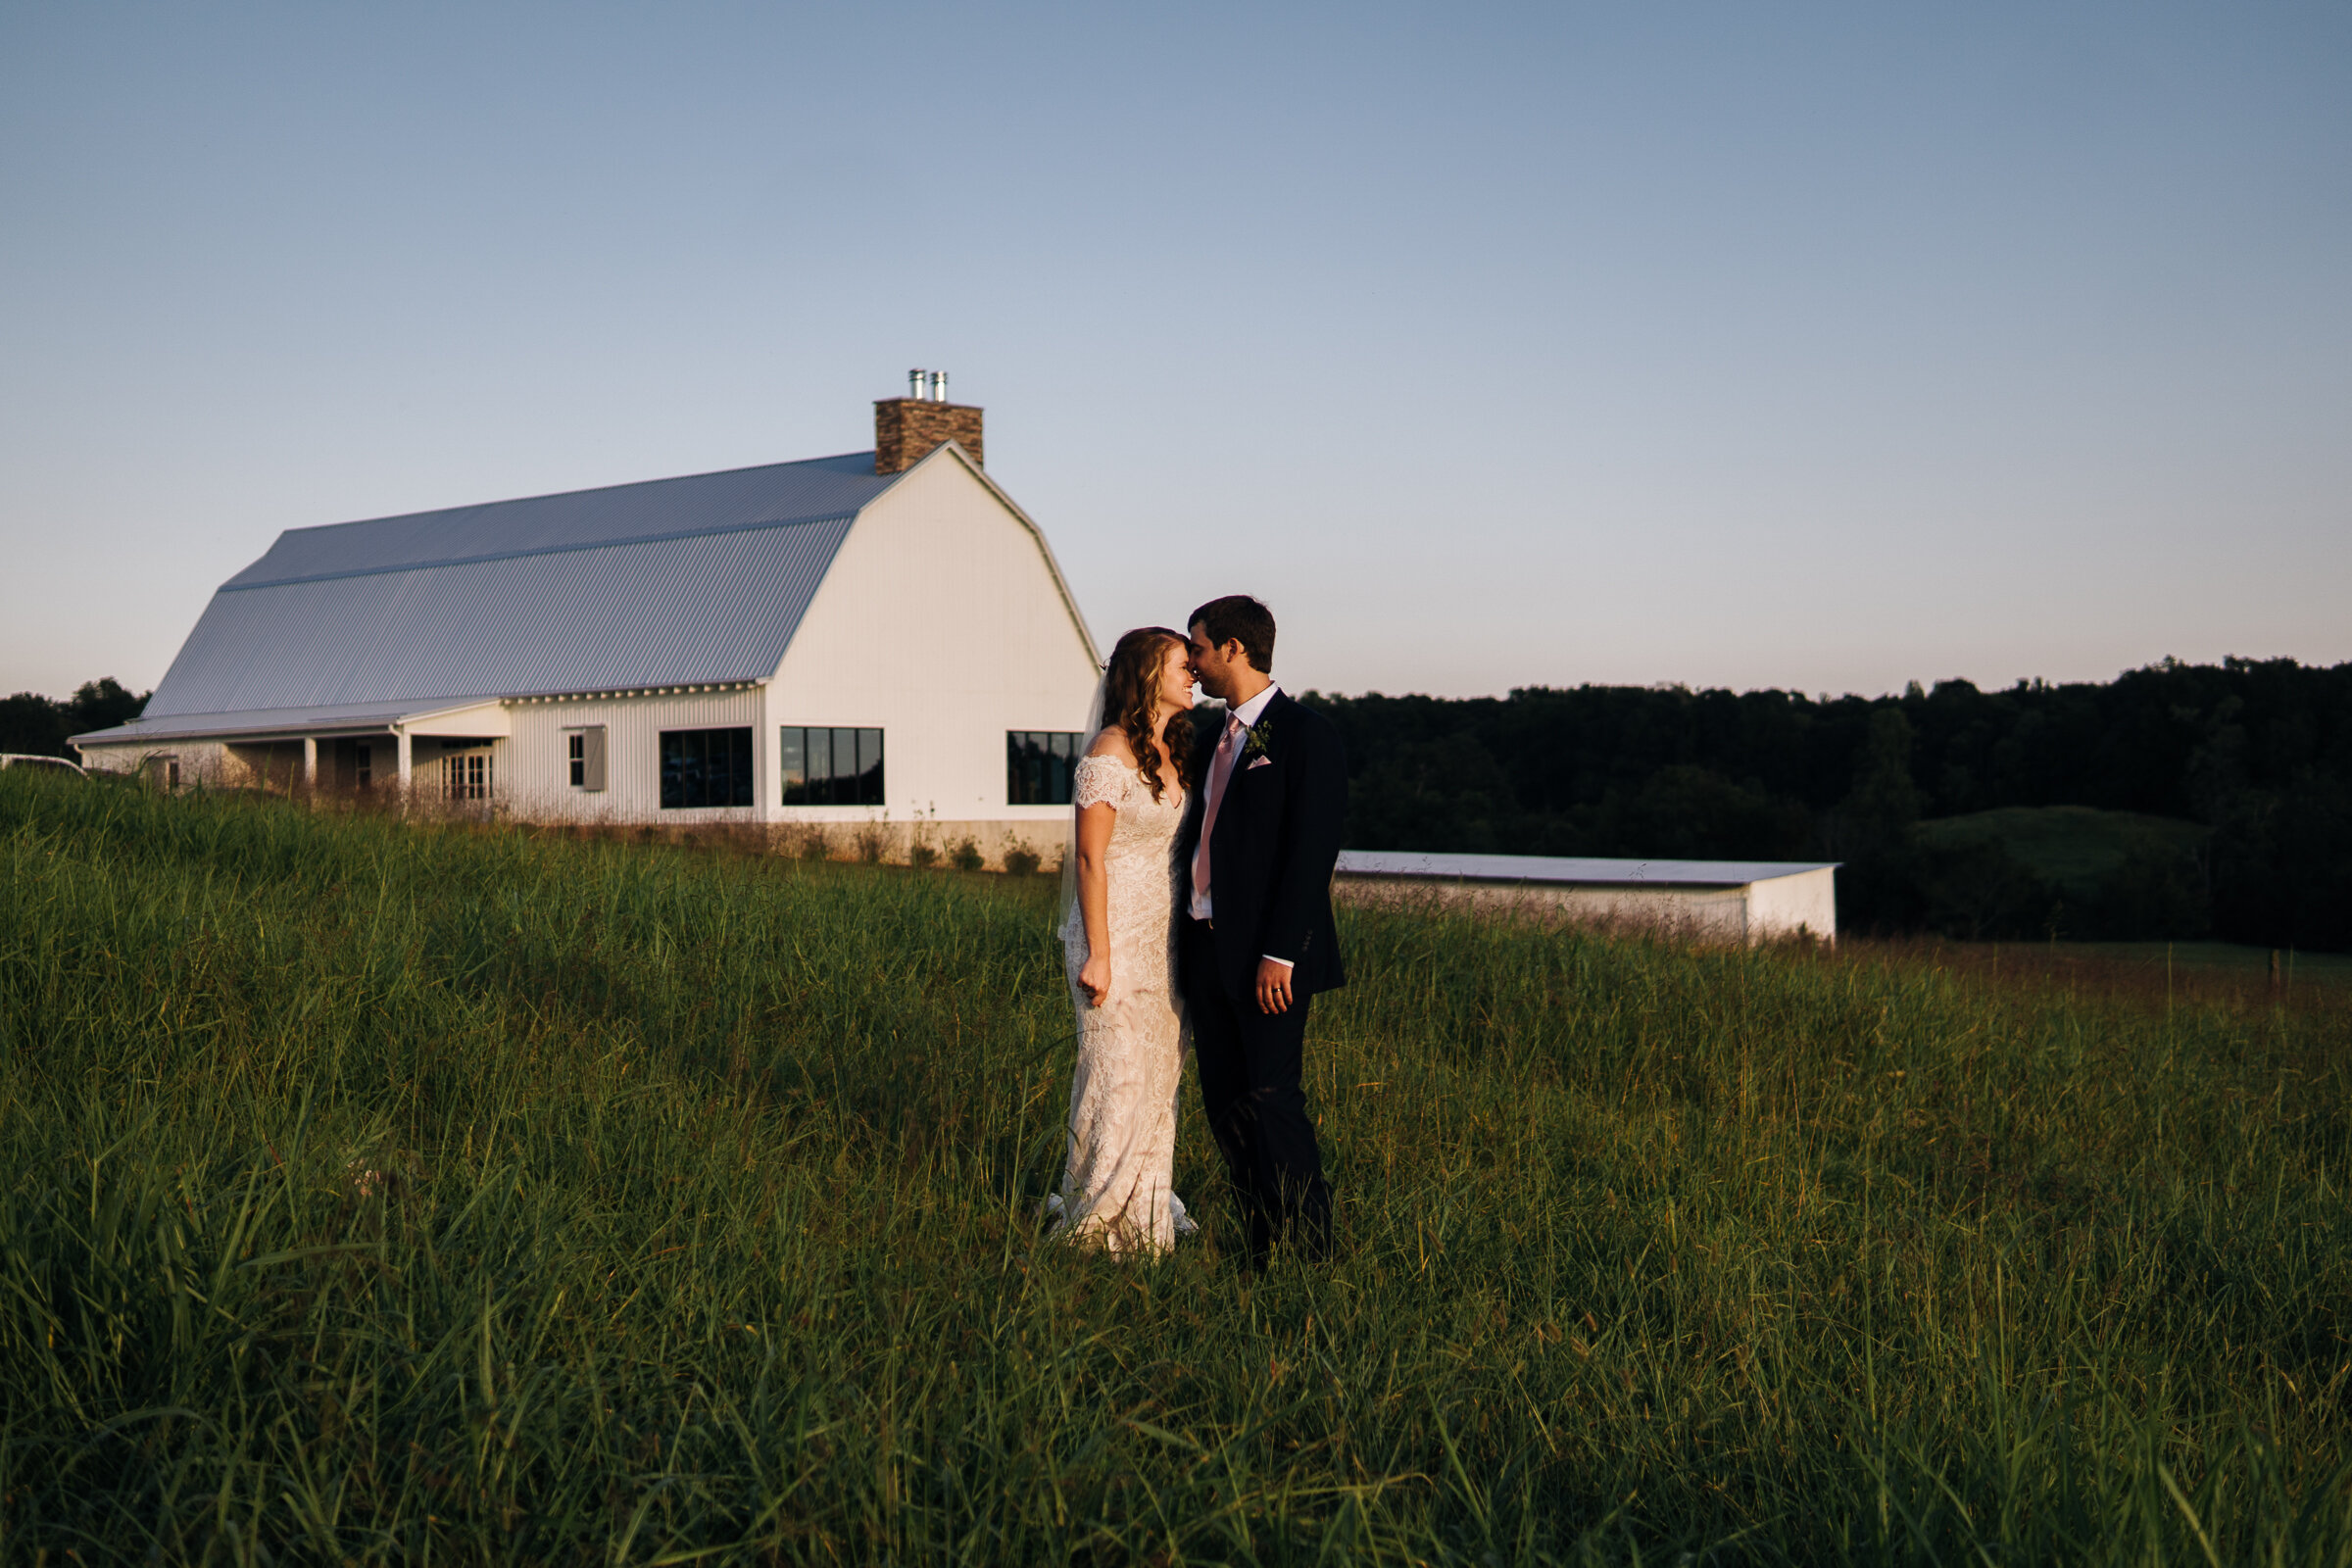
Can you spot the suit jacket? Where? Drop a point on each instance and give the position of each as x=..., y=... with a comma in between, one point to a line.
x=1277, y=839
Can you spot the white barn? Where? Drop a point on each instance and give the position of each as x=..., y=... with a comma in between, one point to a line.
x=1707, y=901
x=877, y=646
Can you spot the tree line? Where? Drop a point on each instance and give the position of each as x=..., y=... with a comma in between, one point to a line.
x=39, y=725
x=2252, y=758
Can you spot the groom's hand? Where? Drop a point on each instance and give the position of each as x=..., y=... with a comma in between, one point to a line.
x=1273, y=986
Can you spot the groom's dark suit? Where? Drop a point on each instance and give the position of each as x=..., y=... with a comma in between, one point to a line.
x=1271, y=854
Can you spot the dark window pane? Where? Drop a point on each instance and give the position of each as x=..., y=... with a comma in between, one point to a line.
x=869, y=767
x=845, y=767
x=1038, y=766
x=832, y=765
x=796, y=766
x=702, y=767
x=744, y=770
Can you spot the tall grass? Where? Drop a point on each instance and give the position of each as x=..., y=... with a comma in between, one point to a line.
x=381, y=1193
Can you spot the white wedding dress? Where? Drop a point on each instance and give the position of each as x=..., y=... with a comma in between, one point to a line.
x=1116, y=1188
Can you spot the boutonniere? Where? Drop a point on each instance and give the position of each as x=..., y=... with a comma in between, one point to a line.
x=1259, y=735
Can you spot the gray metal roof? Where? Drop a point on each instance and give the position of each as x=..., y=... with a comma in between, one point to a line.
x=576, y=519
x=665, y=583
x=354, y=719
x=1562, y=869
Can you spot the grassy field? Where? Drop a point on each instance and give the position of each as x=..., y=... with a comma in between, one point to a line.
x=376, y=1194
x=2239, y=961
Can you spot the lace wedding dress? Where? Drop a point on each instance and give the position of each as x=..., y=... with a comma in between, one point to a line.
x=1117, y=1187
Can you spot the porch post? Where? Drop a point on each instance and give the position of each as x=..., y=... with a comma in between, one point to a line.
x=309, y=764
x=400, y=741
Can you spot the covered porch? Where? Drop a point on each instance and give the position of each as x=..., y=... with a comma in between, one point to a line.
x=446, y=752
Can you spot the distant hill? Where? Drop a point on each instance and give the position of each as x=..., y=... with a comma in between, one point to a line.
x=2068, y=870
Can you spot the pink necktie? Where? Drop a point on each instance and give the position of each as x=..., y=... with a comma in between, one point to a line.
x=1220, y=769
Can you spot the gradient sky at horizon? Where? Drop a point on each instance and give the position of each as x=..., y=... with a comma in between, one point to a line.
x=1822, y=347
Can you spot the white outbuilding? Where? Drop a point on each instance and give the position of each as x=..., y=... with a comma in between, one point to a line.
x=878, y=646
x=1705, y=901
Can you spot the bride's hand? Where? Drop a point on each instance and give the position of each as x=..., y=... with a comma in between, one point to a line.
x=1093, y=977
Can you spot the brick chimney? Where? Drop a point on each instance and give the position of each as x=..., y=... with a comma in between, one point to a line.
x=906, y=428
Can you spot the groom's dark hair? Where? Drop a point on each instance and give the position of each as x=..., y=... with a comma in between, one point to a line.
x=1239, y=617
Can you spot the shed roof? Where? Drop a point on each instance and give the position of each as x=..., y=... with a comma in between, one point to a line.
x=1567, y=868
x=670, y=582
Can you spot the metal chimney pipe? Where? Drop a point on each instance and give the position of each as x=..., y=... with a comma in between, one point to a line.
x=914, y=384
x=939, y=386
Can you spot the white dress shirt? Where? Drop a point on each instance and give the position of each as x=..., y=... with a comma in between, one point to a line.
x=1249, y=713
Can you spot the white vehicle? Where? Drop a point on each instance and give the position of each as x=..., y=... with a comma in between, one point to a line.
x=28, y=760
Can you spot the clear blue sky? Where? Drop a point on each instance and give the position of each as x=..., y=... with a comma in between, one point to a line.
x=1746, y=345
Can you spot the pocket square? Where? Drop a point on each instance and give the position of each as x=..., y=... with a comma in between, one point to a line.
x=1264, y=761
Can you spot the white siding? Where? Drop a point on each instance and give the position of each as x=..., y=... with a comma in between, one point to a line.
x=943, y=625
x=1786, y=904
x=1805, y=903
x=534, y=763
x=480, y=721
x=201, y=763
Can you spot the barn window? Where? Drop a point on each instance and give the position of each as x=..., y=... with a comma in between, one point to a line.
x=586, y=751
x=832, y=766
x=467, y=777
x=171, y=773
x=1038, y=766
x=706, y=767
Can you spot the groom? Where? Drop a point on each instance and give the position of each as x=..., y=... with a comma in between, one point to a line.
x=1257, y=941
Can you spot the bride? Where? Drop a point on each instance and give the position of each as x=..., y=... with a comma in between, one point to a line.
x=1120, y=882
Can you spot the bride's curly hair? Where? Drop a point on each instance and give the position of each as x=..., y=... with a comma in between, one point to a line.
x=1130, y=699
